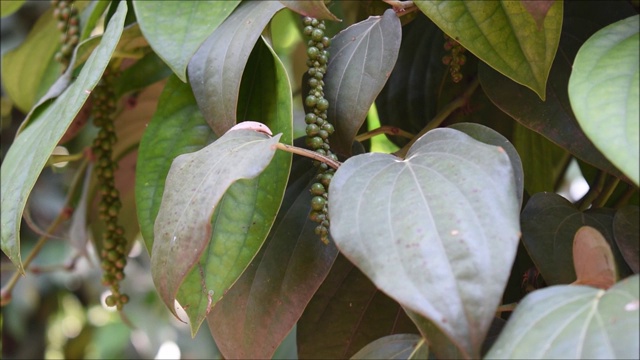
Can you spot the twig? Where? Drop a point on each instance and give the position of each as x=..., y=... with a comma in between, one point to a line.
x=594, y=191
x=387, y=129
x=606, y=192
x=442, y=116
x=308, y=153
x=402, y=7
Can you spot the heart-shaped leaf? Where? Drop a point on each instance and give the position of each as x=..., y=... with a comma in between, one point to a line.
x=626, y=230
x=574, y=322
x=504, y=35
x=399, y=346
x=361, y=60
x=177, y=127
x=437, y=232
x=346, y=313
x=553, y=118
x=313, y=8
x=257, y=313
x=549, y=224
x=593, y=259
x=245, y=214
x=604, y=90
x=191, y=23
x=194, y=186
x=30, y=151
x=215, y=71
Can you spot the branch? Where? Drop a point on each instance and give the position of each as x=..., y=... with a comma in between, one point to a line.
x=460, y=101
x=308, y=153
x=387, y=129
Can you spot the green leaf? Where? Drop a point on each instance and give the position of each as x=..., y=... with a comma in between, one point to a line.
x=29, y=152
x=313, y=8
x=256, y=314
x=574, y=322
x=360, y=62
x=604, y=89
x=195, y=184
x=90, y=17
x=400, y=346
x=143, y=73
x=215, y=71
x=176, y=29
x=549, y=223
x=9, y=7
x=346, y=313
x=456, y=248
x=553, y=118
x=247, y=211
x=177, y=127
x=24, y=68
x=504, y=35
x=626, y=230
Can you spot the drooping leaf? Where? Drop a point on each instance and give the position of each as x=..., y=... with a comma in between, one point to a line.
x=313, y=8
x=549, y=224
x=503, y=35
x=604, y=89
x=626, y=230
x=457, y=246
x=215, y=70
x=360, y=62
x=24, y=67
x=346, y=313
x=9, y=7
x=29, y=152
x=553, y=118
x=248, y=209
x=256, y=314
x=574, y=322
x=400, y=346
x=195, y=184
x=190, y=23
x=177, y=127
x=593, y=259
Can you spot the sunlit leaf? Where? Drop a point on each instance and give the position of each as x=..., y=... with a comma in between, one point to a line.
x=9, y=7
x=574, y=322
x=215, y=71
x=313, y=8
x=360, y=62
x=504, y=35
x=29, y=152
x=626, y=230
x=400, y=346
x=538, y=9
x=593, y=259
x=346, y=313
x=456, y=248
x=191, y=22
x=604, y=90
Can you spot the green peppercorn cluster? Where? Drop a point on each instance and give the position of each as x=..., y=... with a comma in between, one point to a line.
x=318, y=127
x=113, y=253
x=455, y=58
x=69, y=26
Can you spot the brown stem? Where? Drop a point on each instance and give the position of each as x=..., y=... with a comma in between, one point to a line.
x=387, y=129
x=308, y=153
x=442, y=116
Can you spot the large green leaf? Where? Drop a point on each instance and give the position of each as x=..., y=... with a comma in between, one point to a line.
x=29, y=152
x=177, y=127
x=400, y=346
x=247, y=211
x=604, y=89
x=553, y=118
x=504, y=35
x=346, y=313
x=626, y=231
x=574, y=322
x=176, y=29
x=361, y=60
x=215, y=71
x=24, y=68
x=549, y=224
x=455, y=249
x=256, y=314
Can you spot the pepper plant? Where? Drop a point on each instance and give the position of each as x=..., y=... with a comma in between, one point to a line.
x=383, y=177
